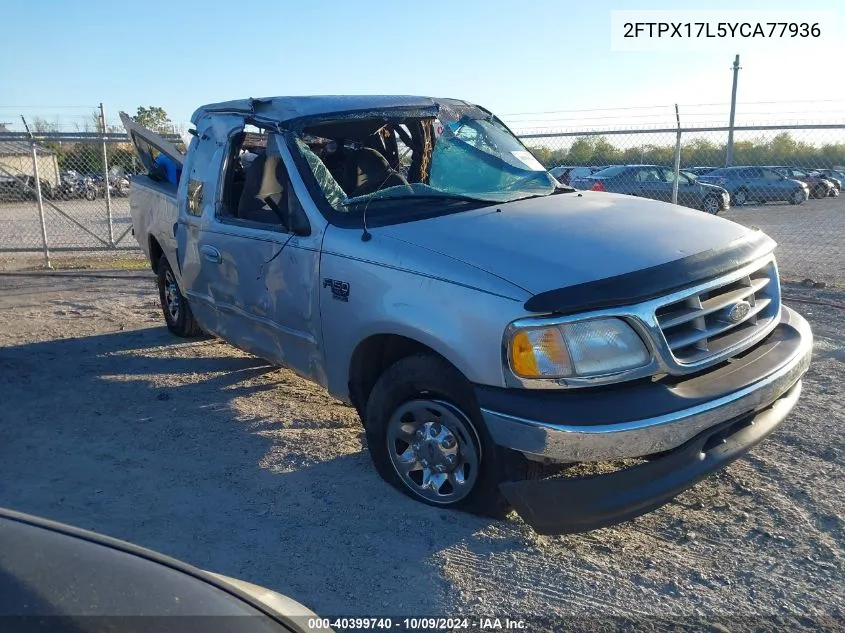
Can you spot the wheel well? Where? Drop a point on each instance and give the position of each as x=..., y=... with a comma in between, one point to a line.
x=372, y=357
x=156, y=253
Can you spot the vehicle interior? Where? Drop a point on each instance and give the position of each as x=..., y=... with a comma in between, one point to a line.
x=419, y=157
x=366, y=155
x=256, y=187
x=362, y=156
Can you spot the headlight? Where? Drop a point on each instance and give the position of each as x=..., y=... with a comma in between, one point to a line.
x=593, y=347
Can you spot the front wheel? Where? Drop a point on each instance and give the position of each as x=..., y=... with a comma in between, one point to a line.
x=177, y=313
x=797, y=197
x=711, y=205
x=90, y=194
x=427, y=439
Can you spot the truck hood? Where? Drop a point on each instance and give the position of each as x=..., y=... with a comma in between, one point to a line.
x=564, y=240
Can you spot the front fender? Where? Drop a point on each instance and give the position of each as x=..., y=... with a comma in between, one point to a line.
x=462, y=324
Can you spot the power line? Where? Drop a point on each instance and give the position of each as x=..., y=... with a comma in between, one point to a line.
x=695, y=105
x=667, y=105
x=811, y=114
x=46, y=107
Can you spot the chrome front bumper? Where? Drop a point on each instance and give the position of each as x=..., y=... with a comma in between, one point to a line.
x=542, y=439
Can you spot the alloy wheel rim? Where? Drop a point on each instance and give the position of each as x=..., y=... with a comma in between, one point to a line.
x=171, y=296
x=434, y=450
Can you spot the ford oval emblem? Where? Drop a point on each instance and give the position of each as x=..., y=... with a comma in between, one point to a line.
x=739, y=311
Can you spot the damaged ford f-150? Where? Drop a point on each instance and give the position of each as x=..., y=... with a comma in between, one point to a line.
x=491, y=327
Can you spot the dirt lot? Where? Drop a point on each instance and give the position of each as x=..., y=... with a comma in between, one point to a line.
x=195, y=449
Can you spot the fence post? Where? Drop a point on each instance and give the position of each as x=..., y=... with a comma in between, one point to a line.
x=677, y=157
x=729, y=156
x=38, y=197
x=106, y=176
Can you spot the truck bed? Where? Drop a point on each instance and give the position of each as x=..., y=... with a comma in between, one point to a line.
x=154, y=211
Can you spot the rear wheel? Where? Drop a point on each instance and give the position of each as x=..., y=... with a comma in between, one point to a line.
x=711, y=205
x=427, y=439
x=177, y=313
x=797, y=197
x=740, y=198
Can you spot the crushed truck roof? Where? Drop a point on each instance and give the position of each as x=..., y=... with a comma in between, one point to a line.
x=284, y=109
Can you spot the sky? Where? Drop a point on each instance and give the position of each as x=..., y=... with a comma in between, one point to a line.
x=536, y=63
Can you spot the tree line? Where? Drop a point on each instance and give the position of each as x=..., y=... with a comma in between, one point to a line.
x=782, y=149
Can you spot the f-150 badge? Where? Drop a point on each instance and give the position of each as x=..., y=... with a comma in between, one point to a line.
x=340, y=289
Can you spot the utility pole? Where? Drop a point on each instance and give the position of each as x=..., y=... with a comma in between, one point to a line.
x=729, y=159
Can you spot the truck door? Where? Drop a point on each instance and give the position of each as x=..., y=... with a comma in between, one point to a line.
x=260, y=267
x=197, y=196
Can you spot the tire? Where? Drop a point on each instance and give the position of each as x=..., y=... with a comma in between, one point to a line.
x=820, y=192
x=90, y=194
x=740, y=198
x=177, y=313
x=439, y=410
x=797, y=197
x=833, y=193
x=711, y=205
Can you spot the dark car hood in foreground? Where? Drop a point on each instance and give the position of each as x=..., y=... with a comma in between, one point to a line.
x=83, y=582
x=570, y=239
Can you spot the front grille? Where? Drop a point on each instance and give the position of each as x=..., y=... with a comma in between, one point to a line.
x=705, y=324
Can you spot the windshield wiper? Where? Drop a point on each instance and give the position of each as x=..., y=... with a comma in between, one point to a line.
x=445, y=197
x=553, y=192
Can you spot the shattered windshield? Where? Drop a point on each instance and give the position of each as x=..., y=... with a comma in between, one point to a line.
x=459, y=153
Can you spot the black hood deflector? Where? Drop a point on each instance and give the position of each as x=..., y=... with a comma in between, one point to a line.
x=655, y=281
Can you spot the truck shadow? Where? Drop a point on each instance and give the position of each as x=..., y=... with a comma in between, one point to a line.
x=155, y=442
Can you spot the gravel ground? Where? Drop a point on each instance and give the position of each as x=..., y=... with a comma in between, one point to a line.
x=202, y=452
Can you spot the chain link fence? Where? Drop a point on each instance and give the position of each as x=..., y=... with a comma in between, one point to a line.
x=783, y=179
x=67, y=192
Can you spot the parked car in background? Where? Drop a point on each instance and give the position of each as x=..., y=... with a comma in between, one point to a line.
x=835, y=177
x=700, y=171
x=820, y=187
x=565, y=174
x=656, y=182
x=22, y=187
x=758, y=184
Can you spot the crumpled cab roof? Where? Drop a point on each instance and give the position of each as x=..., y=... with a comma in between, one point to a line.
x=284, y=109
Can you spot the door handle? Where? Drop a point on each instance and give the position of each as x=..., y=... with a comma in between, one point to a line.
x=211, y=253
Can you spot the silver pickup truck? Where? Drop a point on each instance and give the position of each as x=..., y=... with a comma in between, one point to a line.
x=491, y=327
